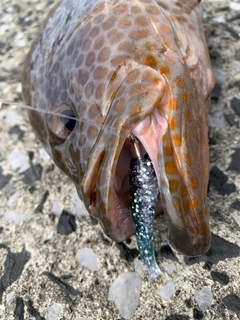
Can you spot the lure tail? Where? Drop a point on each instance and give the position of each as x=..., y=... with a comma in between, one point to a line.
x=143, y=195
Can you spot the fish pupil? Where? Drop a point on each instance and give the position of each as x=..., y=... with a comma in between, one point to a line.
x=68, y=123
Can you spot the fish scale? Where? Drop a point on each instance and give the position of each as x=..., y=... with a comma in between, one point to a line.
x=136, y=67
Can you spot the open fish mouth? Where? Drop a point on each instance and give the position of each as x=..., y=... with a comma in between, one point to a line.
x=121, y=182
x=112, y=204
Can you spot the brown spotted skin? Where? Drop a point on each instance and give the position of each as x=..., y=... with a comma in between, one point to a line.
x=137, y=66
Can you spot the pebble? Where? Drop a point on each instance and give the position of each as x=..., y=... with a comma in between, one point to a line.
x=77, y=207
x=232, y=302
x=53, y=311
x=227, y=52
x=10, y=296
x=125, y=292
x=236, y=204
x=18, y=160
x=235, y=6
x=16, y=216
x=167, y=291
x=43, y=154
x=219, y=75
x=204, y=298
x=66, y=223
x=87, y=258
x=236, y=217
x=13, y=198
x=56, y=208
x=217, y=121
x=12, y=117
x=220, y=277
x=220, y=19
x=169, y=267
x=138, y=265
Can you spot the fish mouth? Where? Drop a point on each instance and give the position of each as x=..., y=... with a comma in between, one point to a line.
x=119, y=223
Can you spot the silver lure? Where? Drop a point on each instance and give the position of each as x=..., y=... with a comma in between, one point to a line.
x=143, y=196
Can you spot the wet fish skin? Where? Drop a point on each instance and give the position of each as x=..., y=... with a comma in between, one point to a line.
x=138, y=66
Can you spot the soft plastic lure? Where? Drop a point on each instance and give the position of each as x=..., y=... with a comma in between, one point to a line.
x=121, y=67
x=143, y=194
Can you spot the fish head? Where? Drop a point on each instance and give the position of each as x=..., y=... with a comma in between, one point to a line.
x=122, y=69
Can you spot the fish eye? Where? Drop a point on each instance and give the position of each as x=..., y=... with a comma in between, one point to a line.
x=61, y=122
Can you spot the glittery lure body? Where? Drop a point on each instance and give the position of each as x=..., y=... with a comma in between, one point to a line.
x=143, y=194
x=121, y=67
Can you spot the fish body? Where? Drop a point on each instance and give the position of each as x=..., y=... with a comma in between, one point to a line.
x=121, y=67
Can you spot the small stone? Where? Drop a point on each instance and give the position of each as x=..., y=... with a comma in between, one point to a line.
x=204, y=298
x=33, y=311
x=56, y=208
x=237, y=54
x=237, y=83
x=18, y=160
x=10, y=189
x=220, y=19
x=235, y=5
x=236, y=217
x=12, y=117
x=125, y=292
x=231, y=119
x=17, y=131
x=233, y=33
x=87, y=258
x=216, y=92
x=13, y=268
x=77, y=207
x=63, y=191
x=197, y=314
x=66, y=224
x=43, y=154
x=138, y=265
x=33, y=174
x=219, y=180
x=39, y=208
x=16, y=216
x=216, y=121
x=167, y=291
x=220, y=75
x=227, y=52
x=169, y=267
x=235, y=105
x=232, y=302
x=235, y=161
x=220, y=277
x=54, y=310
x=13, y=198
x=4, y=179
x=236, y=205
x=19, y=309
x=10, y=296
x=214, y=54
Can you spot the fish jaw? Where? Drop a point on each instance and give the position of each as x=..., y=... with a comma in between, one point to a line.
x=105, y=185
